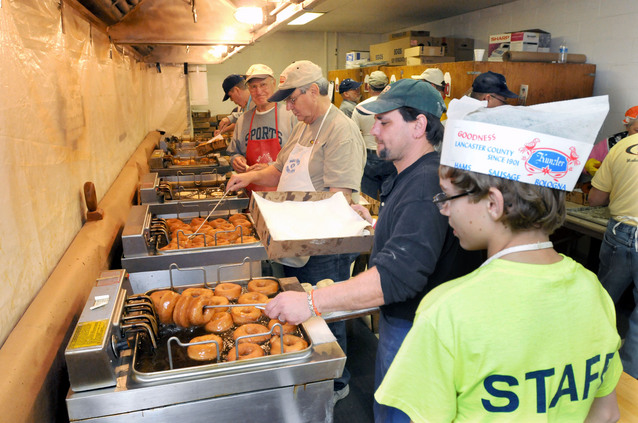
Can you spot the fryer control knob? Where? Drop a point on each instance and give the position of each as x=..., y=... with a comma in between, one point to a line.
x=119, y=344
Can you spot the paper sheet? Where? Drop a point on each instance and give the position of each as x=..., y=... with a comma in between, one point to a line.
x=295, y=220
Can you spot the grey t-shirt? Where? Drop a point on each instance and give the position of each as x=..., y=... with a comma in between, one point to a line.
x=338, y=156
x=347, y=107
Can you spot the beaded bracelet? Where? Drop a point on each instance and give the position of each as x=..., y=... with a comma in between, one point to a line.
x=310, y=305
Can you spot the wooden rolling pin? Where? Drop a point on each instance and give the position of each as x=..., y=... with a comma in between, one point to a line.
x=532, y=56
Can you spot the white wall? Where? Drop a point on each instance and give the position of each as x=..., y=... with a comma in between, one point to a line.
x=604, y=30
x=278, y=50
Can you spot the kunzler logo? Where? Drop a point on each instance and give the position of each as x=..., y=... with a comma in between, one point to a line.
x=548, y=161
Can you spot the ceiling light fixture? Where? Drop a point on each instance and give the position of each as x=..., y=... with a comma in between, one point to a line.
x=305, y=18
x=250, y=15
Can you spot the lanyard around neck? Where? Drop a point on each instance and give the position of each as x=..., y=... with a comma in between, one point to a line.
x=517, y=249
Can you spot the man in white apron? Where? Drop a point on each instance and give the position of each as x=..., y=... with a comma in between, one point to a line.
x=325, y=152
x=260, y=133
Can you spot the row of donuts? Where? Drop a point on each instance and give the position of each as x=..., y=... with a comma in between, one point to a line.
x=187, y=310
x=201, y=232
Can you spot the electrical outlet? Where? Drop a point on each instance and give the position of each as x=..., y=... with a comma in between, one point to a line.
x=522, y=95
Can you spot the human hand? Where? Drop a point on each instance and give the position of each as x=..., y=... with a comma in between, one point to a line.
x=363, y=212
x=238, y=181
x=592, y=165
x=239, y=164
x=222, y=125
x=290, y=307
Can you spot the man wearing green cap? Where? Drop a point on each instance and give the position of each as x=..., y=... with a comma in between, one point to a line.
x=414, y=249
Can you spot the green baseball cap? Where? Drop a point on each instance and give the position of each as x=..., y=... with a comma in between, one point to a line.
x=406, y=93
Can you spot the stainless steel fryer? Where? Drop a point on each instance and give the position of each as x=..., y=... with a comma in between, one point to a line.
x=188, y=192
x=165, y=164
x=289, y=388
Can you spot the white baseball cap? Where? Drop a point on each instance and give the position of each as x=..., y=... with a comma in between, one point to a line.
x=431, y=75
x=294, y=76
x=259, y=71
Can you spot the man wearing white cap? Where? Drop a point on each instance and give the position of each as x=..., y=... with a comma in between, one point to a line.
x=434, y=77
x=260, y=133
x=531, y=335
x=414, y=248
x=325, y=153
x=376, y=170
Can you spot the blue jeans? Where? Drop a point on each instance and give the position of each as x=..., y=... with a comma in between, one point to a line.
x=618, y=269
x=337, y=268
x=392, y=332
x=374, y=173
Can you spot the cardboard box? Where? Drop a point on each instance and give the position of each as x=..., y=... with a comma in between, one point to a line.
x=408, y=34
x=425, y=60
x=530, y=40
x=353, y=56
x=462, y=49
x=423, y=51
x=393, y=51
x=306, y=247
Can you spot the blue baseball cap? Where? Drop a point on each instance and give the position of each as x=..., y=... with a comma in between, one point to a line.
x=229, y=83
x=348, y=84
x=406, y=93
x=492, y=83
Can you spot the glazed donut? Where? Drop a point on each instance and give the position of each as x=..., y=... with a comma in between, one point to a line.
x=197, y=314
x=291, y=344
x=217, y=222
x=252, y=329
x=238, y=216
x=228, y=232
x=204, y=352
x=245, y=350
x=246, y=314
x=170, y=246
x=217, y=300
x=252, y=298
x=287, y=327
x=197, y=292
x=222, y=242
x=197, y=221
x=265, y=286
x=221, y=322
x=180, y=312
x=173, y=221
x=244, y=224
x=246, y=239
x=228, y=290
x=164, y=302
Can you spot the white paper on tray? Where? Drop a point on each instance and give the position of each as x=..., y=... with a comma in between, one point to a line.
x=295, y=220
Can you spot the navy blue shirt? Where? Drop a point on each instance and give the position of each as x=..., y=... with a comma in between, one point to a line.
x=414, y=248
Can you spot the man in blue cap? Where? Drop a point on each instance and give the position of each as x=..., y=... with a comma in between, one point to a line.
x=235, y=88
x=349, y=90
x=414, y=248
x=491, y=87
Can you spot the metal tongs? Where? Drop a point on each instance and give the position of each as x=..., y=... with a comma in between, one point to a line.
x=259, y=306
x=210, y=214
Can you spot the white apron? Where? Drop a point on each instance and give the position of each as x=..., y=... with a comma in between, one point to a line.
x=295, y=176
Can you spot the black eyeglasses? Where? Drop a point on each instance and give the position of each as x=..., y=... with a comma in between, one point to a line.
x=441, y=198
x=292, y=101
x=502, y=100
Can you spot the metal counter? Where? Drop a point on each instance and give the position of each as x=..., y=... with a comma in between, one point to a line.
x=589, y=221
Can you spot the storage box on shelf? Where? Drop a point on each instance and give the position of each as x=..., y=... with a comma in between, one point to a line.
x=534, y=40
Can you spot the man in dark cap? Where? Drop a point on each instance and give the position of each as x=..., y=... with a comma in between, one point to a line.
x=491, y=87
x=414, y=248
x=236, y=89
x=349, y=90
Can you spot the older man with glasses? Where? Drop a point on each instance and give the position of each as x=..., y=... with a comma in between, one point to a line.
x=325, y=152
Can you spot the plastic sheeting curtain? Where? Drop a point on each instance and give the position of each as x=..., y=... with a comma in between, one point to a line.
x=73, y=108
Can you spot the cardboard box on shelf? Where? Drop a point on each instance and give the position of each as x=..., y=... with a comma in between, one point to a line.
x=529, y=40
x=393, y=51
x=353, y=56
x=462, y=49
x=423, y=51
x=408, y=34
x=425, y=60
x=306, y=247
